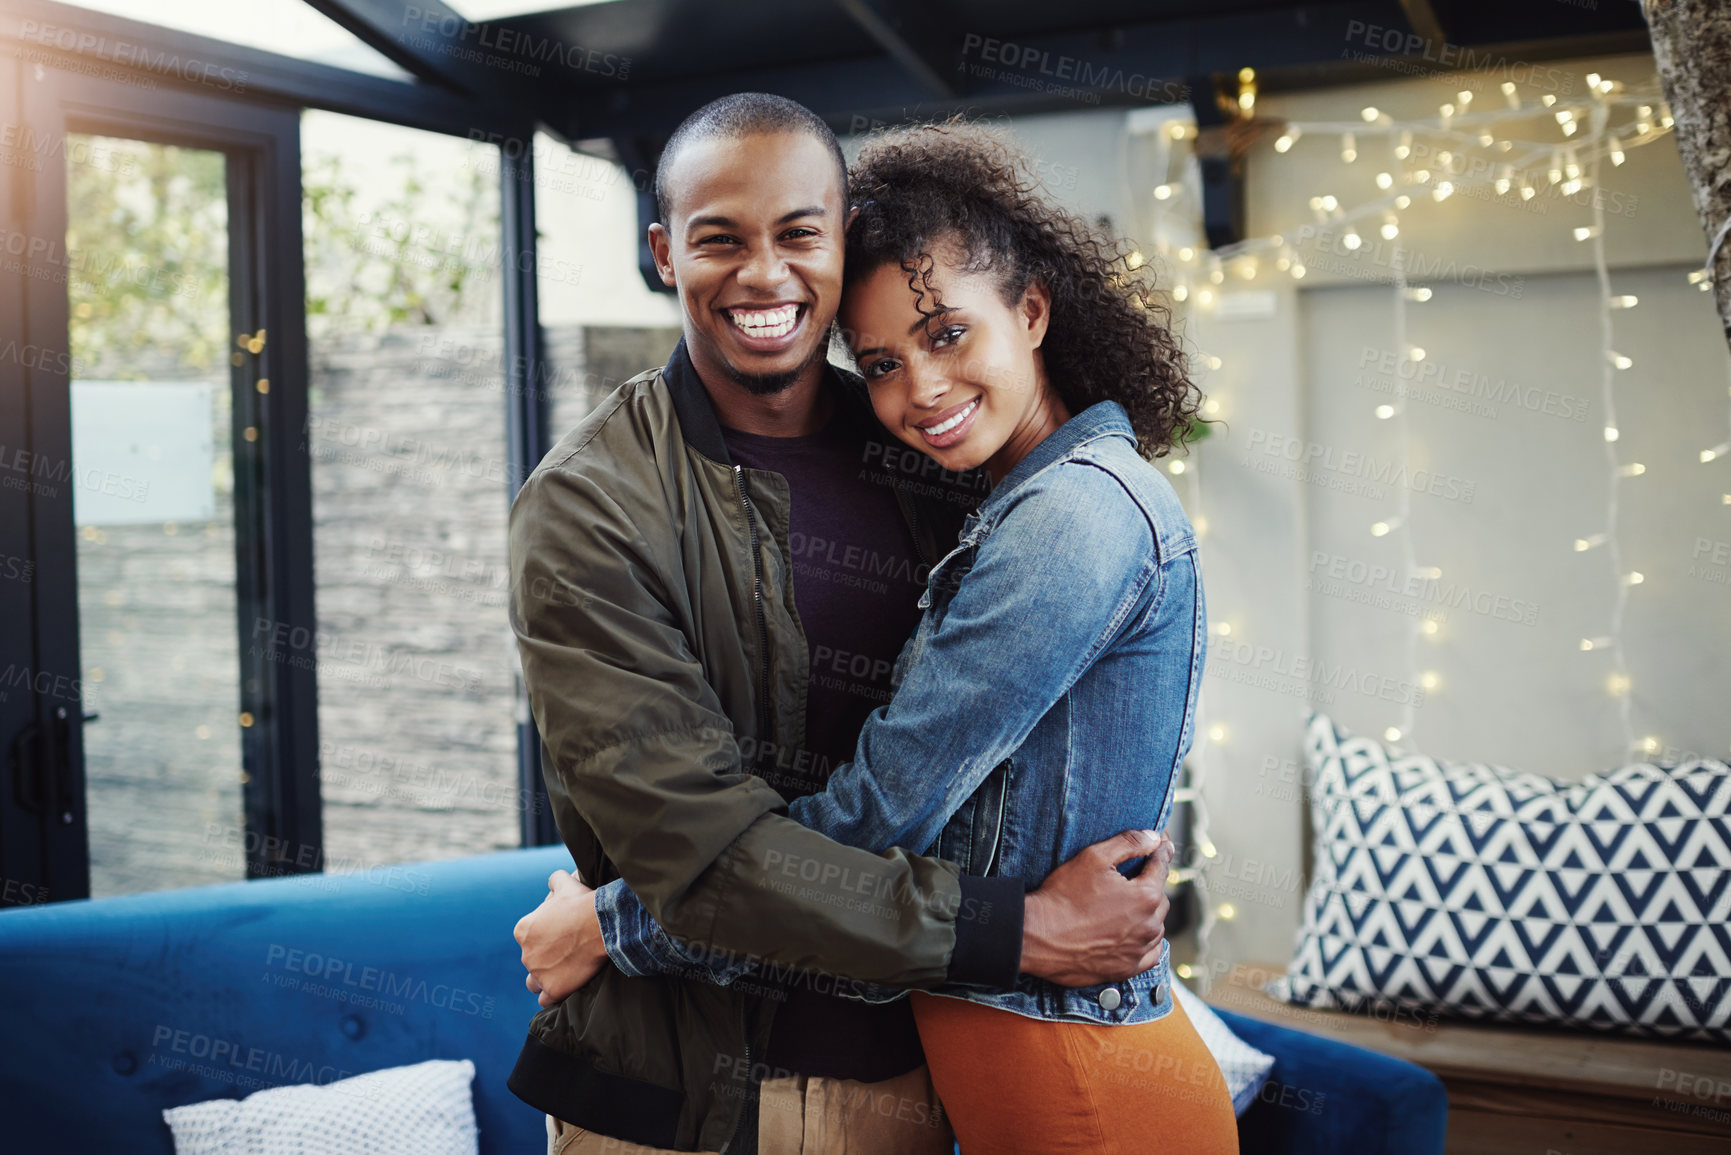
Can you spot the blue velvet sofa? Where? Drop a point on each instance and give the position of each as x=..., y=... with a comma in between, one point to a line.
x=114, y=1009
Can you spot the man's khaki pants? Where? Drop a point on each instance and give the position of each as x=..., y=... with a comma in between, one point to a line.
x=814, y=1116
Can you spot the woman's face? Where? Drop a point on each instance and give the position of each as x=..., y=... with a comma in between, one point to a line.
x=967, y=387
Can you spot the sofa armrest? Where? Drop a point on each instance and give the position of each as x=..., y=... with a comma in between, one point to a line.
x=1324, y=1097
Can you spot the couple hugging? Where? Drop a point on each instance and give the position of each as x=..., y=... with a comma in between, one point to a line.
x=940, y=760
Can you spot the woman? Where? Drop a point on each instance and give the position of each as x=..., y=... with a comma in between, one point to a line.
x=1054, y=673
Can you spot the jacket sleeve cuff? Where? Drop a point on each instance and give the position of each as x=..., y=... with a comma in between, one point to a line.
x=625, y=929
x=988, y=950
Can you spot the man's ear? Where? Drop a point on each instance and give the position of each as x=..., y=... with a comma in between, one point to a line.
x=661, y=248
x=1036, y=310
x=851, y=214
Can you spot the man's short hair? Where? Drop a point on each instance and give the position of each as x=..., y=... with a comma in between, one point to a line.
x=744, y=114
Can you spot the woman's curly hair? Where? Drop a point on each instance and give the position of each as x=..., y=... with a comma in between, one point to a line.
x=1110, y=335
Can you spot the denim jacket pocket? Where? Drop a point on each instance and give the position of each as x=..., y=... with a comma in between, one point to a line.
x=947, y=574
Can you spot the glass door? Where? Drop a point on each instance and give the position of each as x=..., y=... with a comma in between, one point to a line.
x=156, y=729
x=153, y=505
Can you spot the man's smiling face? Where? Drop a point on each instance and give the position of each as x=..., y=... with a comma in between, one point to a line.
x=753, y=243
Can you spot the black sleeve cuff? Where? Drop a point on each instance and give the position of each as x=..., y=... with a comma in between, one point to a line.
x=988, y=950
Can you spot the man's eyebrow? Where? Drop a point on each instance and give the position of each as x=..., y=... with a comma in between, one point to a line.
x=721, y=222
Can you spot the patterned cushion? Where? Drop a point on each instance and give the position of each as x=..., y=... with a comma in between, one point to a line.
x=1491, y=894
x=1243, y=1067
x=422, y=1109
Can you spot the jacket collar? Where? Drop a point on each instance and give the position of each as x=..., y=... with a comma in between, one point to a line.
x=702, y=429
x=1102, y=419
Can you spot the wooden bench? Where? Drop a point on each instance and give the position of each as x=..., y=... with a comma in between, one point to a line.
x=1533, y=1090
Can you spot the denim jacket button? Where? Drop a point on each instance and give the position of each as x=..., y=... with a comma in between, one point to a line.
x=1160, y=993
x=1109, y=999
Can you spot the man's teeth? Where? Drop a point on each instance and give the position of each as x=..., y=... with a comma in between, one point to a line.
x=769, y=323
x=944, y=427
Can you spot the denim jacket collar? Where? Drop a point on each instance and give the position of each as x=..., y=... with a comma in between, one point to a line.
x=1101, y=419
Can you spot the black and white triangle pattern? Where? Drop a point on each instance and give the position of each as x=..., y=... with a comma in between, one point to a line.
x=1488, y=893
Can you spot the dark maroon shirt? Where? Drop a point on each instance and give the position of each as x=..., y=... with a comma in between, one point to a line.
x=857, y=578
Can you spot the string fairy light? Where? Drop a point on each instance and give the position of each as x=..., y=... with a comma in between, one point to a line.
x=1444, y=156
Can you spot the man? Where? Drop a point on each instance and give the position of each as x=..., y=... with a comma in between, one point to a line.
x=684, y=693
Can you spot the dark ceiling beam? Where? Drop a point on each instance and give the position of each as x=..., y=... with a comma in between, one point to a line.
x=1421, y=14
x=38, y=28
x=427, y=39
x=921, y=42
x=1143, y=65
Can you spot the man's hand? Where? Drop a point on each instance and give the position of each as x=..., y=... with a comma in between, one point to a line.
x=1088, y=924
x=561, y=940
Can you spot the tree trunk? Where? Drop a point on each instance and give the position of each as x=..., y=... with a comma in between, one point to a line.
x=1692, y=44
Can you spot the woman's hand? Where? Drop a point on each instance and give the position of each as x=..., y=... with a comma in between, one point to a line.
x=561, y=940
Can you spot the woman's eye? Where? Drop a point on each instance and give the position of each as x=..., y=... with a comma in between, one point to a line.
x=800, y=234
x=876, y=369
x=717, y=238
x=948, y=335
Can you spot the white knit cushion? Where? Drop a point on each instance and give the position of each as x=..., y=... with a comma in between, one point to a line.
x=422, y=1109
x=1244, y=1067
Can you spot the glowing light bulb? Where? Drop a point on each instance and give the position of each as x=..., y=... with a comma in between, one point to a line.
x=1371, y=115
x=1619, y=360
x=1390, y=230
x=1416, y=353
x=1348, y=148
x=1403, y=201
x=1586, y=232
x=1180, y=292
x=1611, y=433
x=1633, y=469
x=1429, y=680
x=1352, y=240
x=1429, y=628
x=1283, y=142
x=1583, y=544
x=1384, y=180
x=1716, y=452
x=1176, y=468
x=1442, y=191
x=1392, y=734
x=1329, y=203
x=1420, y=294
x=1634, y=578
x=1385, y=411
x=1226, y=911
x=1617, y=685
x=1217, y=732
x=1162, y=192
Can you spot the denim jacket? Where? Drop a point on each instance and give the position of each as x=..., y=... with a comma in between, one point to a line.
x=1045, y=702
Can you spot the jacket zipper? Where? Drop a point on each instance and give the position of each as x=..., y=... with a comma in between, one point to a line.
x=763, y=713
x=998, y=826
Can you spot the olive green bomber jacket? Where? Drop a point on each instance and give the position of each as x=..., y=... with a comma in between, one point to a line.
x=652, y=602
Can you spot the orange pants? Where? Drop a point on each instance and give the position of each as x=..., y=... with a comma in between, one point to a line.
x=1015, y=1084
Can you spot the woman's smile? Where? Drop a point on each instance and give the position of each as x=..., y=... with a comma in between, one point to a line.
x=949, y=427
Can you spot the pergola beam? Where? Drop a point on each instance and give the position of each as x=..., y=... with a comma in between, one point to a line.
x=921, y=42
